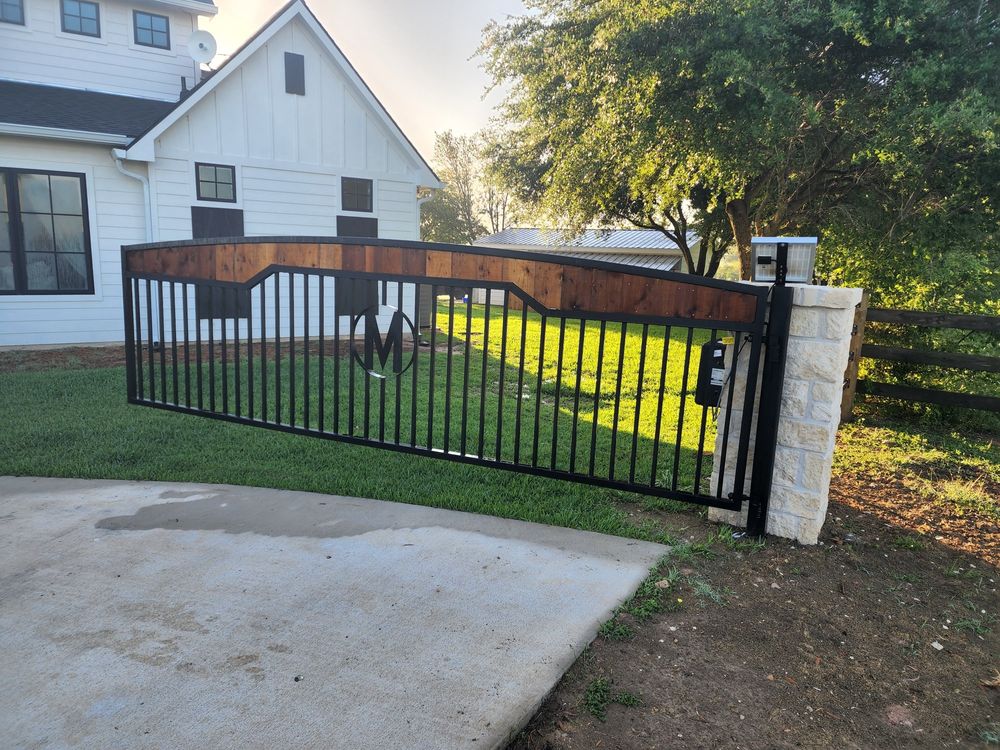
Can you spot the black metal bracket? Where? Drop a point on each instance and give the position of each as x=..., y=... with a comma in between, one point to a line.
x=769, y=413
x=780, y=261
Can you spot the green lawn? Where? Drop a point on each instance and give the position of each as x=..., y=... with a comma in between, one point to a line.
x=595, y=414
x=79, y=425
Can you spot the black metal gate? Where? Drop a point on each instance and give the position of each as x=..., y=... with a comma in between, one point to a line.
x=460, y=353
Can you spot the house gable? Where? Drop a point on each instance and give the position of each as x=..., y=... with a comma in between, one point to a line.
x=244, y=111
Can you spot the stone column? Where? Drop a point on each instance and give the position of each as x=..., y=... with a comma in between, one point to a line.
x=818, y=346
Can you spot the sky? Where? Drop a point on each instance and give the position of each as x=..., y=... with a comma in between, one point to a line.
x=417, y=57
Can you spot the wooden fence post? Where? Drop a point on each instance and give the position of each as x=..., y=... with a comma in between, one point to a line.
x=854, y=359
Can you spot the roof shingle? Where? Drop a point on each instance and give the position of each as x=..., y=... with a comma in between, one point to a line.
x=75, y=109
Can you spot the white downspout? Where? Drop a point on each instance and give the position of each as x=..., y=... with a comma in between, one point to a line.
x=147, y=201
x=421, y=200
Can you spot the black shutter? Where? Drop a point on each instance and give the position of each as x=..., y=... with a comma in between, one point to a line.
x=221, y=302
x=295, y=74
x=216, y=222
x=357, y=226
x=354, y=296
x=224, y=302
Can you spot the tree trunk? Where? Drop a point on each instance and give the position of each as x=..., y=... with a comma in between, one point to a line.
x=739, y=220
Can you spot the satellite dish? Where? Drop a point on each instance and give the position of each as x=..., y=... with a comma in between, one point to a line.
x=202, y=46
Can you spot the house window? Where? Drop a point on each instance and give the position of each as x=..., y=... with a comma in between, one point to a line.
x=12, y=11
x=151, y=30
x=356, y=194
x=81, y=17
x=44, y=238
x=216, y=182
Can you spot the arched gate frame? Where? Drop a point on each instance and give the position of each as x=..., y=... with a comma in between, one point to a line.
x=527, y=362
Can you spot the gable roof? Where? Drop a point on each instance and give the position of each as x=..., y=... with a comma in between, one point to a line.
x=38, y=106
x=591, y=239
x=142, y=148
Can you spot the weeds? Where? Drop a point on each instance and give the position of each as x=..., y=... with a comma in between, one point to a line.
x=599, y=696
x=615, y=630
x=979, y=623
x=704, y=590
x=739, y=541
x=990, y=734
x=910, y=542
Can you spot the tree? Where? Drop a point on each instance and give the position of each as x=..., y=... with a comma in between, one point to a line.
x=754, y=117
x=474, y=188
x=452, y=215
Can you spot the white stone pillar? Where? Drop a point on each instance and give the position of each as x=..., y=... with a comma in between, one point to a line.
x=819, y=343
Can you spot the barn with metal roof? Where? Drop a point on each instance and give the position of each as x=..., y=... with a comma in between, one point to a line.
x=648, y=248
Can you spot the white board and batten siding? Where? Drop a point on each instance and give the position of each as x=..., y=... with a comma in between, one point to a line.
x=40, y=52
x=289, y=151
x=116, y=218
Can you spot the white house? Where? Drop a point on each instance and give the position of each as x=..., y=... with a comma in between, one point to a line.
x=648, y=248
x=111, y=134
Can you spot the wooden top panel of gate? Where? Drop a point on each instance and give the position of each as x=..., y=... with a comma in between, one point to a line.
x=559, y=286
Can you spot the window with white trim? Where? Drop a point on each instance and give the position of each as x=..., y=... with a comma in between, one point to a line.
x=356, y=194
x=151, y=30
x=12, y=11
x=81, y=17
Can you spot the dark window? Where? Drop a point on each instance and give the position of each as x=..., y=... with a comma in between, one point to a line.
x=216, y=222
x=81, y=17
x=356, y=194
x=295, y=74
x=216, y=182
x=151, y=30
x=12, y=11
x=354, y=296
x=44, y=237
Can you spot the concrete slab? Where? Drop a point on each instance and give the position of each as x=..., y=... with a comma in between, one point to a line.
x=154, y=615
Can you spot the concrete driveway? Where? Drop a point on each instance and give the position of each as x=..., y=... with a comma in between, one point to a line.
x=155, y=615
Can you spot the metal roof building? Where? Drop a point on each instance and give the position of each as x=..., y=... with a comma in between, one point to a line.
x=648, y=248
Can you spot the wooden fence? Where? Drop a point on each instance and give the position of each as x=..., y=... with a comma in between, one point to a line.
x=967, y=362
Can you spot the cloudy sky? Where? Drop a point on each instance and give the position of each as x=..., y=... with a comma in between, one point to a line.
x=418, y=57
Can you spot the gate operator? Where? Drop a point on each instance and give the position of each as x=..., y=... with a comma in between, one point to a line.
x=711, y=373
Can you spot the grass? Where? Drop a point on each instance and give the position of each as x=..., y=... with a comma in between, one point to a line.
x=955, y=468
x=78, y=424
x=968, y=495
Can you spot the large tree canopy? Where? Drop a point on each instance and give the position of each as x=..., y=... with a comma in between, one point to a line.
x=742, y=117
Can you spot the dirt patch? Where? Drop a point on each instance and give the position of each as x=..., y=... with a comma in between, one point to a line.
x=878, y=638
x=69, y=357
x=88, y=357
x=928, y=518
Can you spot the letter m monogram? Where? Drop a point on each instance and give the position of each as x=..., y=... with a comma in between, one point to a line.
x=391, y=343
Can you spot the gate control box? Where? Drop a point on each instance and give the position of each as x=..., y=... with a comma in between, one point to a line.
x=711, y=373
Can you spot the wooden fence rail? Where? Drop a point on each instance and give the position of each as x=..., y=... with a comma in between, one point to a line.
x=920, y=318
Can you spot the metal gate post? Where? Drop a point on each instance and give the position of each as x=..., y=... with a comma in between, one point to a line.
x=127, y=303
x=769, y=411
